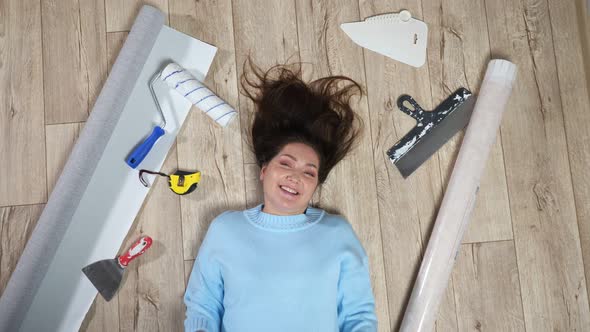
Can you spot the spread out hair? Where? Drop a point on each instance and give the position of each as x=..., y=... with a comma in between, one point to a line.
x=289, y=110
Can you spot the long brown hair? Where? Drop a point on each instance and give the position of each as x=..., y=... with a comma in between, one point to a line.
x=289, y=110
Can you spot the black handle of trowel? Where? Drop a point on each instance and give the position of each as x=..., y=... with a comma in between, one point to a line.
x=416, y=113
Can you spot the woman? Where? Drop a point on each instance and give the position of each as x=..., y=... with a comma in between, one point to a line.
x=284, y=265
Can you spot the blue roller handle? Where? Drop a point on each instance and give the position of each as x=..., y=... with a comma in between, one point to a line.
x=137, y=156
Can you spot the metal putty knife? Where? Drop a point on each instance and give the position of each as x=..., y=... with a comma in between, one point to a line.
x=433, y=130
x=106, y=275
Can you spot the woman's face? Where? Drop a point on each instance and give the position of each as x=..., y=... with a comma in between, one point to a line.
x=290, y=179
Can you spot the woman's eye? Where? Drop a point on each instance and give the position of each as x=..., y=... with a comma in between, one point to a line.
x=310, y=174
x=284, y=164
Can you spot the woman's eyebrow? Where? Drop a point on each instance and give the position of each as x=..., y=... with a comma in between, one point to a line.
x=308, y=164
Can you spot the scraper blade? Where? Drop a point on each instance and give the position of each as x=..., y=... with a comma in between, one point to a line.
x=106, y=276
x=432, y=131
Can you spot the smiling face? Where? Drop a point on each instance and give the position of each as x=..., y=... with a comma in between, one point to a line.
x=290, y=179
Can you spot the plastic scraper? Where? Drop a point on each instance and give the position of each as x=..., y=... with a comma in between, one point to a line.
x=395, y=35
x=106, y=274
x=433, y=129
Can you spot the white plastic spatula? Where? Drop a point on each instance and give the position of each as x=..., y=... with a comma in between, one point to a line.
x=396, y=35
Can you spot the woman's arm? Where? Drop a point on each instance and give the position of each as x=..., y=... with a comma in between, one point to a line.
x=204, y=293
x=356, y=304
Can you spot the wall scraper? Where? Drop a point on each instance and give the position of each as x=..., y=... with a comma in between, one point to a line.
x=106, y=275
x=433, y=129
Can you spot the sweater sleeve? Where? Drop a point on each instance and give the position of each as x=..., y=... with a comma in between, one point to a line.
x=204, y=292
x=356, y=304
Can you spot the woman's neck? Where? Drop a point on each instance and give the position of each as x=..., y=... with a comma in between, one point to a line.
x=267, y=209
x=283, y=223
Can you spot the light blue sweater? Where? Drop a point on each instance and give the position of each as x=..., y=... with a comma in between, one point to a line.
x=258, y=272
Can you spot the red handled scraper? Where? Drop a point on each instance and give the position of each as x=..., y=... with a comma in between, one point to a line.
x=106, y=275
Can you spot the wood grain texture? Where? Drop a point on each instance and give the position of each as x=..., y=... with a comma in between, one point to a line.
x=350, y=188
x=16, y=225
x=489, y=296
x=406, y=207
x=254, y=193
x=94, y=48
x=120, y=15
x=582, y=11
x=188, y=268
x=150, y=297
x=22, y=121
x=575, y=103
x=538, y=171
x=265, y=30
x=102, y=316
x=458, y=54
x=536, y=181
x=203, y=145
x=74, y=58
x=60, y=140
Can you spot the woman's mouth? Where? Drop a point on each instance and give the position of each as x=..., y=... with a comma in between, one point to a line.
x=289, y=190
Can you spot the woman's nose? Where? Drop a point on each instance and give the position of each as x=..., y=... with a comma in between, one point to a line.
x=293, y=177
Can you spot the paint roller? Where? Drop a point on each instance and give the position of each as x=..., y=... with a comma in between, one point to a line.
x=182, y=81
x=459, y=199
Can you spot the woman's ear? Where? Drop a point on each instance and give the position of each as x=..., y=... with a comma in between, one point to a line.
x=262, y=172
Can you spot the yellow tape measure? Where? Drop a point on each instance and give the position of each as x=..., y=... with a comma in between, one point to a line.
x=180, y=182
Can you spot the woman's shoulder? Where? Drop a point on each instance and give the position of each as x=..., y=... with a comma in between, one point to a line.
x=220, y=223
x=338, y=222
x=226, y=217
x=334, y=218
x=341, y=229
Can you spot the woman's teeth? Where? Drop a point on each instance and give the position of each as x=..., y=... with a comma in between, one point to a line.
x=292, y=191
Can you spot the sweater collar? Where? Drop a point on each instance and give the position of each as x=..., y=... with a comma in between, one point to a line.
x=278, y=223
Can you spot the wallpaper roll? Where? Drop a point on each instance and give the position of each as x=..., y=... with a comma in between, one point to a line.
x=459, y=199
x=68, y=191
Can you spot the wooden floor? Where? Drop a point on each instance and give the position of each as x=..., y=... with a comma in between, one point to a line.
x=525, y=257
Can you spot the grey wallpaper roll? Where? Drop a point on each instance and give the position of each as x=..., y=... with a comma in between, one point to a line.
x=55, y=219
